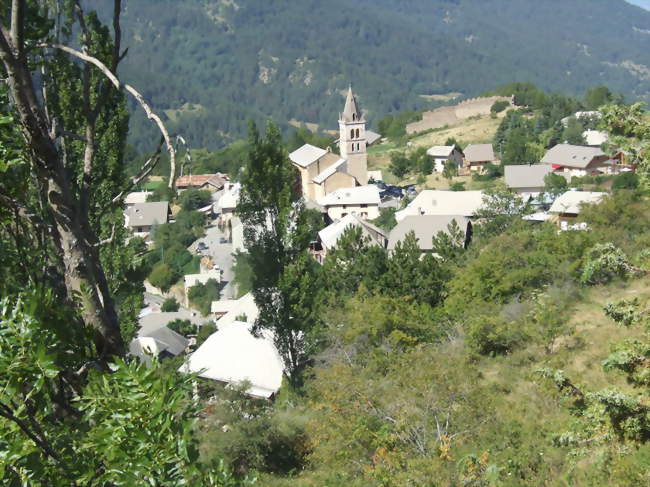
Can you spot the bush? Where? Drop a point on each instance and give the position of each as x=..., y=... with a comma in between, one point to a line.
x=205, y=330
x=183, y=327
x=193, y=199
x=605, y=262
x=626, y=180
x=493, y=335
x=161, y=193
x=202, y=295
x=499, y=106
x=162, y=276
x=457, y=186
x=169, y=305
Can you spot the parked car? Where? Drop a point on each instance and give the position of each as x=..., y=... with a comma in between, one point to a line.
x=201, y=246
x=223, y=240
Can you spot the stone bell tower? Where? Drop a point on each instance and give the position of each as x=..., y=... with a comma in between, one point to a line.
x=352, y=139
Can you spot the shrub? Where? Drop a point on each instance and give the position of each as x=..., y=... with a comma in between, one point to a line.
x=193, y=199
x=183, y=327
x=605, y=262
x=169, y=305
x=493, y=335
x=162, y=276
x=499, y=106
x=205, y=330
x=202, y=295
x=626, y=180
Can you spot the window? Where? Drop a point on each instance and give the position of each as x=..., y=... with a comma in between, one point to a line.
x=354, y=117
x=357, y=133
x=364, y=205
x=352, y=134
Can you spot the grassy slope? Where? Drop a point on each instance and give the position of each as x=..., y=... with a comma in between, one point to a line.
x=471, y=131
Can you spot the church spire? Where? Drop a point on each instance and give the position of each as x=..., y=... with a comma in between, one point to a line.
x=351, y=112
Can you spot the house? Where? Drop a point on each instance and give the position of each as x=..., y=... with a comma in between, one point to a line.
x=595, y=138
x=372, y=138
x=136, y=197
x=228, y=310
x=566, y=208
x=577, y=160
x=228, y=201
x=323, y=172
x=425, y=227
x=234, y=355
x=527, y=178
x=141, y=217
x=362, y=201
x=152, y=321
x=161, y=342
x=329, y=236
x=441, y=154
x=436, y=202
x=477, y=156
x=209, y=182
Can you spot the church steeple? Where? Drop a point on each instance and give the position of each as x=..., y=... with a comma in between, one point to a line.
x=352, y=139
x=351, y=112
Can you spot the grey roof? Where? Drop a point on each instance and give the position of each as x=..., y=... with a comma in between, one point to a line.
x=156, y=341
x=425, y=228
x=351, y=112
x=526, y=176
x=153, y=321
x=440, y=150
x=340, y=164
x=479, y=153
x=307, y=155
x=146, y=214
x=372, y=137
x=578, y=156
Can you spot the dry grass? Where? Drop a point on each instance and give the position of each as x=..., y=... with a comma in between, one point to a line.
x=471, y=131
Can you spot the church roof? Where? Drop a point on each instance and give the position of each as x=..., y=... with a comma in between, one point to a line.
x=351, y=112
x=329, y=171
x=307, y=155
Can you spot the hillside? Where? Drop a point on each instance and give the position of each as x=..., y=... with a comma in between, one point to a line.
x=212, y=65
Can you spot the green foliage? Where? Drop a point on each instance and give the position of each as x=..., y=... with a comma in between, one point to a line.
x=205, y=330
x=162, y=276
x=162, y=192
x=603, y=263
x=243, y=273
x=457, y=186
x=499, y=106
x=130, y=426
x=182, y=327
x=386, y=219
x=449, y=245
x=626, y=180
x=303, y=136
x=169, y=305
x=201, y=295
x=573, y=132
x=193, y=199
x=277, y=231
x=598, y=96
x=259, y=437
x=492, y=334
x=400, y=165
x=555, y=184
x=450, y=170
x=394, y=126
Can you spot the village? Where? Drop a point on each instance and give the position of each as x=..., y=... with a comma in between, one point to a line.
x=218, y=341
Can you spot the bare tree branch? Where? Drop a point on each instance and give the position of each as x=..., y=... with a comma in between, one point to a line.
x=128, y=88
x=145, y=170
x=17, y=25
x=117, y=35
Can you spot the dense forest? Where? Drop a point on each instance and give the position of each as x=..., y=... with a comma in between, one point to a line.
x=212, y=65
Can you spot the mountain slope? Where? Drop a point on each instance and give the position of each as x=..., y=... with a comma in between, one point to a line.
x=213, y=64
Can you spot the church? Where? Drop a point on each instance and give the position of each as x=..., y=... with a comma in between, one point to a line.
x=321, y=171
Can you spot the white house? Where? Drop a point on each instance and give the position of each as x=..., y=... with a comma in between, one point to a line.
x=595, y=138
x=443, y=153
x=136, y=197
x=229, y=310
x=227, y=203
x=233, y=355
x=437, y=202
x=362, y=201
x=329, y=236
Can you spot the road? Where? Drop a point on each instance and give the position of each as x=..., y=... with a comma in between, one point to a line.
x=221, y=254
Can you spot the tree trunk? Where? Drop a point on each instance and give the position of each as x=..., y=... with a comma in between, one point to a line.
x=84, y=276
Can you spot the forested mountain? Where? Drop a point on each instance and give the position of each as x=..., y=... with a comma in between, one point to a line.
x=213, y=64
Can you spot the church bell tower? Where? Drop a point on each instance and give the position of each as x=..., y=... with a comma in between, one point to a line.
x=352, y=139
